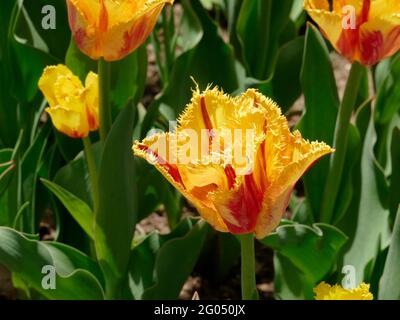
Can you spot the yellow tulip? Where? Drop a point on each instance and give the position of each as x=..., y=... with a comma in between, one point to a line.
x=235, y=159
x=366, y=31
x=326, y=292
x=111, y=29
x=74, y=109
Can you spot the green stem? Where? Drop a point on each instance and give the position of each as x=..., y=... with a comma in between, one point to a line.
x=167, y=44
x=112, y=291
x=104, y=99
x=92, y=171
x=249, y=289
x=340, y=142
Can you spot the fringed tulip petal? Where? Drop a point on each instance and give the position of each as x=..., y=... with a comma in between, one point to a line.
x=73, y=124
x=49, y=78
x=201, y=159
x=325, y=291
x=73, y=108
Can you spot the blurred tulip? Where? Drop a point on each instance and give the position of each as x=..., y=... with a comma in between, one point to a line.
x=73, y=108
x=326, y=292
x=239, y=182
x=111, y=29
x=366, y=31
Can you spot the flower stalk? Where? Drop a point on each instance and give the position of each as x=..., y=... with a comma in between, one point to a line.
x=248, y=278
x=92, y=168
x=340, y=142
x=104, y=99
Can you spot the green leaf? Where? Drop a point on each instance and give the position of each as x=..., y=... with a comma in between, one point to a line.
x=128, y=79
x=312, y=250
x=222, y=70
x=79, y=209
x=288, y=282
x=209, y=4
x=285, y=87
x=190, y=30
x=79, y=63
x=54, y=40
x=29, y=55
x=74, y=279
x=7, y=167
x=367, y=221
x=117, y=213
x=128, y=76
x=74, y=176
x=388, y=93
x=9, y=127
x=304, y=256
x=259, y=26
x=321, y=106
x=152, y=260
x=394, y=191
x=346, y=189
x=389, y=287
x=30, y=165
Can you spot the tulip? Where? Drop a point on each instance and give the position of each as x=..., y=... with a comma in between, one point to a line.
x=326, y=292
x=111, y=29
x=73, y=107
x=361, y=30
x=235, y=159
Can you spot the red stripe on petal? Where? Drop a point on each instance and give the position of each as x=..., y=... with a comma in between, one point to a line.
x=364, y=12
x=245, y=207
x=171, y=169
x=349, y=42
x=207, y=121
x=371, y=47
x=392, y=42
x=230, y=175
x=103, y=17
x=204, y=113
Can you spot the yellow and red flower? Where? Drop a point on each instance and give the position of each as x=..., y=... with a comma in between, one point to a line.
x=326, y=292
x=376, y=32
x=74, y=108
x=111, y=29
x=235, y=159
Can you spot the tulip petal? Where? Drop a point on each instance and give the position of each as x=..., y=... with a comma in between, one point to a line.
x=66, y=88
x=229, y=198
x=112, y=29
x=92, y=100
x=89, y=10
x=74, y=124
x=303, y=155
x=326, y=292
x=338, y=5
x=73, y=108
x=330, y=22
x=384, y=8
x=156, y=150
x=83, y=20
x=379, y=39
x=241, y=206
x=231, y=127
x=49, y=77
x=124, y=38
